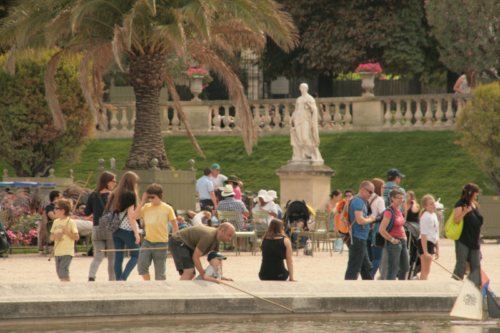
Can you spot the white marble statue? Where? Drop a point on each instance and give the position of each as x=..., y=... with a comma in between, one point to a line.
x=304, y=135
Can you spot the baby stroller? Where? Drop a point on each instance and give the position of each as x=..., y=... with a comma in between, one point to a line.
x=412, y=231
x=294, y=212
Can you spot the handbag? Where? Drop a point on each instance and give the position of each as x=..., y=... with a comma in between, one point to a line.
x=451, y=229
x=110, y=221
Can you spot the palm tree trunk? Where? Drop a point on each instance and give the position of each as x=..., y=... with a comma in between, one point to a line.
x=147, y=143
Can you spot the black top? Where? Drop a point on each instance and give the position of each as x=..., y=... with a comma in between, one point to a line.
x=127, y=199
x=50, y=208
x=471, y=232
x=273, y=254
x=411, y=216
x=95, y=206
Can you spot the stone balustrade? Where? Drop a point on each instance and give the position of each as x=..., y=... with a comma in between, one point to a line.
x=271, y=117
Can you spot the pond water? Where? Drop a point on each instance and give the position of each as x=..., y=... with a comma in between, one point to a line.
x=427, y=326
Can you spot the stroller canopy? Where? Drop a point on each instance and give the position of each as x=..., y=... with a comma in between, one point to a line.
x=296, y=211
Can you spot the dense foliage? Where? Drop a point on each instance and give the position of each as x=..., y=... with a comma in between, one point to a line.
x=338, y=35
x=479, y=124
x=28, y=140
x=468, y=32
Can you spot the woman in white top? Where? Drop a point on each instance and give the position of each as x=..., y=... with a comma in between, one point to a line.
x=377, y=206
x=465, y=83
x=202, y=217
x=429, y=235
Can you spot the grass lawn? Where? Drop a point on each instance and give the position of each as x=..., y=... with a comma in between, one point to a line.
x=431, y=161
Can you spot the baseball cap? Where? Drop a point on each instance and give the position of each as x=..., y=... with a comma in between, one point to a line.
x=394, y=173
x=215, y=166
x=214, y=254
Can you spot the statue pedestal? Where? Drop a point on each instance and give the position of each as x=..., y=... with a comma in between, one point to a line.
x=305, y=180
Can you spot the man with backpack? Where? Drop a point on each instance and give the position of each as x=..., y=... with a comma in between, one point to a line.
x=359, y=225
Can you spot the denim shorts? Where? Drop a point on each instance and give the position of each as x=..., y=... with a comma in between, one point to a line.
x=159, y=258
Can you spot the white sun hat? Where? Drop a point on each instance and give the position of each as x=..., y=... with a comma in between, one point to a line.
x=263, y=194
x=272, y=194
x=227, y=190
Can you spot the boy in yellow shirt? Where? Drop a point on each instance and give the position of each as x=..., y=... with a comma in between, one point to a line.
x=65, y=233
x=156, y=216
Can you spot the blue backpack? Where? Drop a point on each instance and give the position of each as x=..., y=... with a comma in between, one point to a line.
x=378, y=240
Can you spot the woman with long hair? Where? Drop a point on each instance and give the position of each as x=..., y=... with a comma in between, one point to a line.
x=468, y=245
x=413, y=212
x=276, y=247
x=101, y=240
x=377, y=206
x=465, y=83
x=124, y=201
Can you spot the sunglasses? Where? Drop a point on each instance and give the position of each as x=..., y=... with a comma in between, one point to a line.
x=57, y=208
x=151, y=197
x=371, y=192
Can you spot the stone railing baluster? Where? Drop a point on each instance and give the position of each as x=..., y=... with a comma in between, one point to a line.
x=418, y=113
x=347, y=116
x=387, y=113
x=428, y=113
x=337, y=118
x=132, y=121
x=175, y=122
x=449, y=112
x=267, y=118
x=286, y=116
x=256, y=118
x=408, y=113
x=114, y=120
x=398, y=116
x=237, y=119
x=124, y=120
x=439, y=112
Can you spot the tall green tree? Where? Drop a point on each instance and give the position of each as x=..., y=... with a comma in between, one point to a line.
x=28, y=141
x=338, y=35
x=468, y=32
x=149, y=32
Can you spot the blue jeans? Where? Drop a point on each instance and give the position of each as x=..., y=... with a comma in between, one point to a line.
x=397, y=255
x=374, y=253
x=358, y=261
x=120, y=239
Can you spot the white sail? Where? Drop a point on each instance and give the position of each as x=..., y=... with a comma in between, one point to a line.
x=469, y=303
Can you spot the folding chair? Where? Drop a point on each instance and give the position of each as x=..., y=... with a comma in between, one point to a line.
x=233, y=217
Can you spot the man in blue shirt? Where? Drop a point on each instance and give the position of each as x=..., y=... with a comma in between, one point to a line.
x=205, y=190
x=360, y=227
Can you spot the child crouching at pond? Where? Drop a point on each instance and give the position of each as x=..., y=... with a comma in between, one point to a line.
x=214, y=270
x=64, y=232
x=429, y=235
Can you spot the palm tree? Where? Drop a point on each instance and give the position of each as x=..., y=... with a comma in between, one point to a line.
x=148, y=32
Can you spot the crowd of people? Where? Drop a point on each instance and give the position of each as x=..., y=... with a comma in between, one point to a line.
x=377, y=213
x=383, y=209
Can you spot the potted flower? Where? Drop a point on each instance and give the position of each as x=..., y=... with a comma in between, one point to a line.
x=200, y=79
x=368, y=73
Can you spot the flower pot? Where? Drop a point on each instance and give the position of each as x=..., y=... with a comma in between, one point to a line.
x=196, y=86
x=367, y=83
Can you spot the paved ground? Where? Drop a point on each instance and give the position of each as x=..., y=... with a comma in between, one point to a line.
x=321, y=267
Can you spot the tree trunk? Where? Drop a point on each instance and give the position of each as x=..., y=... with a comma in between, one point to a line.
x=325, y=85
x=145, y=73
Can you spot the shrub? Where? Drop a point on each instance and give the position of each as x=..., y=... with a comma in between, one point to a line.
x=28, y=141
x=479, y=124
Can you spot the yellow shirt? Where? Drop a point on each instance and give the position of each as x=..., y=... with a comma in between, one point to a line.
x=156, y=221
x=65, y=246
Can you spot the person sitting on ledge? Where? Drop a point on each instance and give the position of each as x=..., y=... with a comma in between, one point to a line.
x=276, y=247
x=188, y=245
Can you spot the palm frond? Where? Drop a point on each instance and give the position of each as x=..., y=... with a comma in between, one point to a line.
x=177, y=101
x=59, y=27
x=50, y=91
x=100, y=56
x=10, y=63
x=236, y=92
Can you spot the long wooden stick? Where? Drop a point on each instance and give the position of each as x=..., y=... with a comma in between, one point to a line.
x=246, y=292
x=72, y=211
x=456, y=277
x=139, y=249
